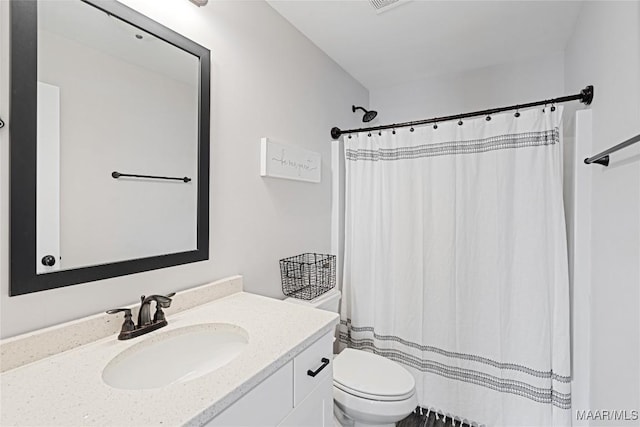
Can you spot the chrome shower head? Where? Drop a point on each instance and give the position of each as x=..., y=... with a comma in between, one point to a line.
x=368, y=115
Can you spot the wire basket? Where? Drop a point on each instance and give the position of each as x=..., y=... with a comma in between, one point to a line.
x=306, y=276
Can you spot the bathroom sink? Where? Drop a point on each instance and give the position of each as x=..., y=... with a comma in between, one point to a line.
x=175, y=356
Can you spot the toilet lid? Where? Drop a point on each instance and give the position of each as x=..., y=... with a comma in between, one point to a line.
x=371, y=376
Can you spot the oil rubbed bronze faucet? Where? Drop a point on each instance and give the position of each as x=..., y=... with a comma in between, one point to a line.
x=145, y=323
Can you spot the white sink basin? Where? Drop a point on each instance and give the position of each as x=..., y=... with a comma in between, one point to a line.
x=175, y=356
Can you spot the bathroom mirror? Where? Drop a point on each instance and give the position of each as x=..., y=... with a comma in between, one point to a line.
x=109, y=139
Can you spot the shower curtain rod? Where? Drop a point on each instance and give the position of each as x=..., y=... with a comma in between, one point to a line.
x=585, y=96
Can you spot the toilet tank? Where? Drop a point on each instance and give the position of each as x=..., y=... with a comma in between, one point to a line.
x=329, y=301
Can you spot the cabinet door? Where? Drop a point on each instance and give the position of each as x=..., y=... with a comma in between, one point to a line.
x=266, y=405
x=316, y=410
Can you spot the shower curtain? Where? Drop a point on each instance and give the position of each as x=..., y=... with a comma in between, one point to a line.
x=456, y=264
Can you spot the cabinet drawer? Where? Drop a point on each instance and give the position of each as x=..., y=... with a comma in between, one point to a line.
x=311, y=360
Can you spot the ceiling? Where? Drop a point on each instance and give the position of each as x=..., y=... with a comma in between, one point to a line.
x=421, y=38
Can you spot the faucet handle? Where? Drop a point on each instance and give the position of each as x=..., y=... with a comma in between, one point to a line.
x=159, y=314
x=128, y=324
x=161, y=300
x=127, y=311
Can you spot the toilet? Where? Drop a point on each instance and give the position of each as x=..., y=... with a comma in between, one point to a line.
x=368, y=390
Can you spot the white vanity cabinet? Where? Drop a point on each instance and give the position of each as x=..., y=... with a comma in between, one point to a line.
x=314, y=411
x=290, y=396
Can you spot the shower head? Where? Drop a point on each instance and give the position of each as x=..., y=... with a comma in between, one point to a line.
x=368, y=115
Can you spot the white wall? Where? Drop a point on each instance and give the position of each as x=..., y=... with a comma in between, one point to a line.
x=605, y=51
x=267, y=80
x=477, y=89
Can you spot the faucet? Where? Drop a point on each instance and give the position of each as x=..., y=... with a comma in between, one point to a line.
x=145, y=324
x=144, y=314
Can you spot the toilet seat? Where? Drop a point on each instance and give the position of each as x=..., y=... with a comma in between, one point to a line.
x=369, y=376
x=382, y=398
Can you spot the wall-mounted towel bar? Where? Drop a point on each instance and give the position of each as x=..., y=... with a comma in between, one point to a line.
x=117, y=175
x=603, y=158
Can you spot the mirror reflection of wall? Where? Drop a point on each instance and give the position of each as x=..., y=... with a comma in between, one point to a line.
x=112, y=97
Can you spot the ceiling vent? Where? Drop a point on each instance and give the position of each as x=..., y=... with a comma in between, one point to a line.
x=384, y=5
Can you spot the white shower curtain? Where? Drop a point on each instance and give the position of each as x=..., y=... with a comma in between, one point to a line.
x=456, y=264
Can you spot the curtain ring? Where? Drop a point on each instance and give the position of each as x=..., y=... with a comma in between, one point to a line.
x=517, y=114
x=460, y=122
x=393, y=132
x=349, y=136
x=379, y=133
x=411, y=130
x=553, y=107
x=369, y=135
x=435, y=126
x=488, y=118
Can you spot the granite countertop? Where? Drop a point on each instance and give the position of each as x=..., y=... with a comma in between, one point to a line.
x=67, y=388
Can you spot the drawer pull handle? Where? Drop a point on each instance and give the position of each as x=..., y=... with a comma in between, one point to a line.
x=325, y=362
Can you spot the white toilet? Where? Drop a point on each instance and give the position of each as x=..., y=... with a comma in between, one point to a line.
x=368, y=390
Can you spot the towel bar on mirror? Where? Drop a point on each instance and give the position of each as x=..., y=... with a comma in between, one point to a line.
x=117, y=175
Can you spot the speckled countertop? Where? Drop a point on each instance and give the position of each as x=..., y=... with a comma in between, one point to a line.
x=67, y=388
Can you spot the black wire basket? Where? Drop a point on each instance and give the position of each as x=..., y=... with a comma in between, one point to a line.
x=307, y=276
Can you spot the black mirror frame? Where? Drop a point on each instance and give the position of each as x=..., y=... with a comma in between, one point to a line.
x=22, y=135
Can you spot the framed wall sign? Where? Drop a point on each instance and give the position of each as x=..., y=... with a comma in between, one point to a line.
x=289, y=162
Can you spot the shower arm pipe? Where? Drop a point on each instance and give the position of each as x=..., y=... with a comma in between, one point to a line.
x=603, y=158
x=585, y=96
